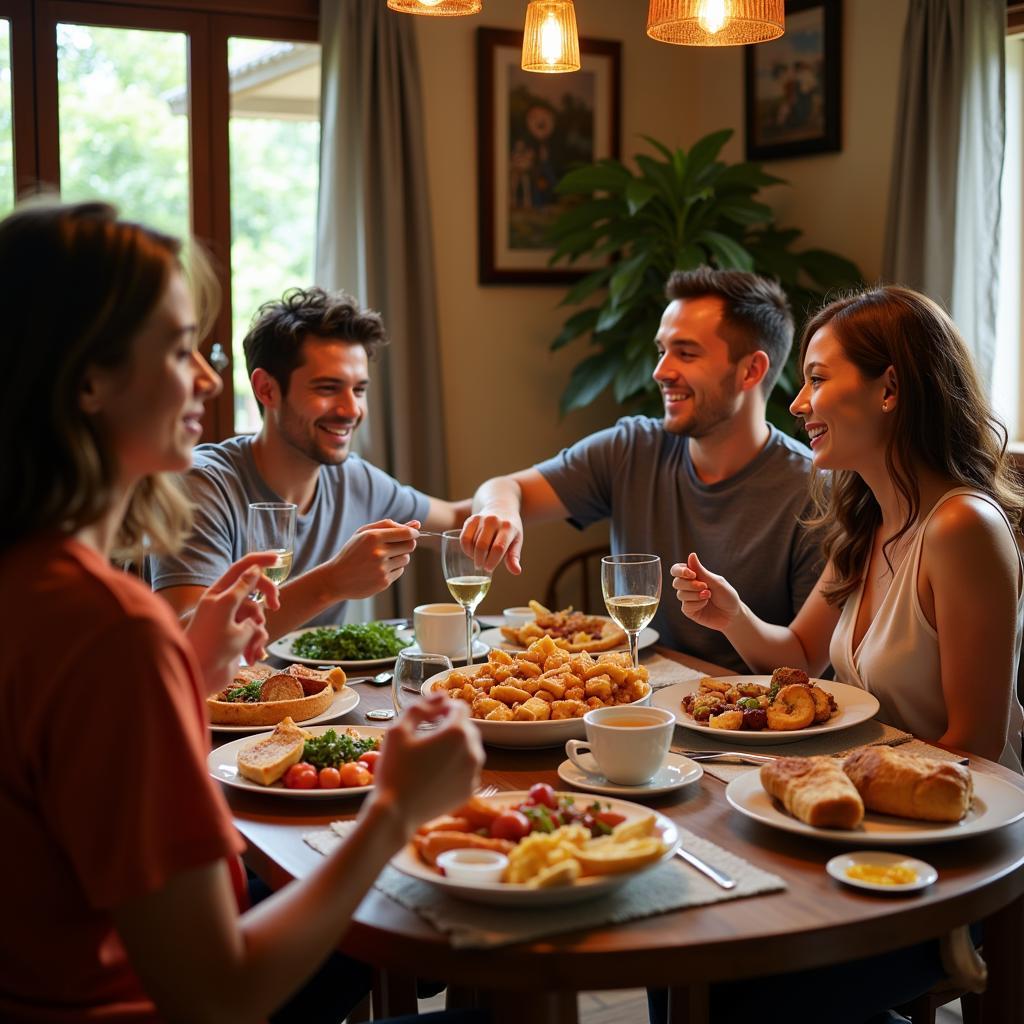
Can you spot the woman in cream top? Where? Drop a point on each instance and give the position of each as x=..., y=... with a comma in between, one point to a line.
x=922, y=598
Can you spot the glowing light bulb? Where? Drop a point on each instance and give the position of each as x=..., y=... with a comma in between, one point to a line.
x=429, y=3
x=713, y=16
x=550, y=40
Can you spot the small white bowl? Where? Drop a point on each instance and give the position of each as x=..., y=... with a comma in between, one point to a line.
x=516, y=618
x=838, y=866
x=473, y=866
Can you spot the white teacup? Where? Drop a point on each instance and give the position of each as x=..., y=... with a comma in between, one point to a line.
x=441, y=629
x=628, y=743
x=520, y=616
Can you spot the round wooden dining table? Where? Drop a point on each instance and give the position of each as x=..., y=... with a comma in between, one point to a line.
x=815, y=921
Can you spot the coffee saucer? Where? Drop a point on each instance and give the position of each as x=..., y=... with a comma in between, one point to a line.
x=676, y=772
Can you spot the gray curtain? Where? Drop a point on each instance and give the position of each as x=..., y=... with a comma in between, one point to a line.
x=944, y=207
x=374, y=240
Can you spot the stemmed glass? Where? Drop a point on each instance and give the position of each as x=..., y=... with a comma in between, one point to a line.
x=631, y=585
x=271, y=527
x=467, y=581
x=412, y=670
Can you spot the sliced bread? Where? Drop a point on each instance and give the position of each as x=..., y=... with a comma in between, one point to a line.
x=267, y=759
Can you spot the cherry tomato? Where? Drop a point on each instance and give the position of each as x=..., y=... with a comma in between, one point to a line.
x=541, y=793
x=511, y=824
x=301, y=776
x=355, y=774
x=330, y=778
x=370, y=759
x=610, y=818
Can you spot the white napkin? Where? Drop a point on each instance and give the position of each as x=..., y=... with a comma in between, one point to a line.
x=671, y=886
x=662, y=671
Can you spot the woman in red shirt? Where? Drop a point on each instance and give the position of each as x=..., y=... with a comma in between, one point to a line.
x=118, y=901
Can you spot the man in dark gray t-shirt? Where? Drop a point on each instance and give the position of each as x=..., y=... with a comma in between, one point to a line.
x=712, y=476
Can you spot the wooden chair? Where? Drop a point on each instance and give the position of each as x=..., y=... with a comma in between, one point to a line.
x=967, y=976
x=577, y=582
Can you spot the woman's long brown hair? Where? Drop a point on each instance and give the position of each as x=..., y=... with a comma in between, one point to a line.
x=943, y=421
x=76, y=285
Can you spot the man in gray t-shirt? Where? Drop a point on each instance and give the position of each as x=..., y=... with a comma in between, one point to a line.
x=711, y=477
x=308, y=361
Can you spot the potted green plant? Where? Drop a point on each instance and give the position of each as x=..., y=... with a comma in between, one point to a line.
x=679, y=210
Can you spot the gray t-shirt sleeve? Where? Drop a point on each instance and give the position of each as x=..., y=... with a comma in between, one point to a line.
x=583, y=475
x=213, y=545
x=806, y=564
x=386, y=498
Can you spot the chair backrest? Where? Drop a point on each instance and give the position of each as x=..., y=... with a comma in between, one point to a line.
x=577, y=582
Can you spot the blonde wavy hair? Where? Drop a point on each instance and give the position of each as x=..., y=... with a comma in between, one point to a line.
x=77, y=284
x=943, y=421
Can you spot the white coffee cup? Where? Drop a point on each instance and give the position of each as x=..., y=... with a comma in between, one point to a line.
x=628, y=743
x=441, y=629
x=520, y=616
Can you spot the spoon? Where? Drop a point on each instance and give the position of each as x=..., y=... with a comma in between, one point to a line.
x=380, y=679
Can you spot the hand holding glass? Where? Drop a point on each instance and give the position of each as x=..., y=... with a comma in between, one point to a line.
x=467, y=581
x=271, y=527
x=412, y=670
x=631, y=585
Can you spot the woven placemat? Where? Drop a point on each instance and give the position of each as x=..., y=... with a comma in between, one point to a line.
x=671, y=886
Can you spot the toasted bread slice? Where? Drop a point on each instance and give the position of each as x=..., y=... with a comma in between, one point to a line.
x=267, y=759
x=310, y=677
x=281, y=687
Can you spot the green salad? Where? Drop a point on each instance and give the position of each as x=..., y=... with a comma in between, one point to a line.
x=357, y=641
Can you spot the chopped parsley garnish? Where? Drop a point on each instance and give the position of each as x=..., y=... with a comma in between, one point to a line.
x=247, y=693
x=332, y=749
x=357, y=641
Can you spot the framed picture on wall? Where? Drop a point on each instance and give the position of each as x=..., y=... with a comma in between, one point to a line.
x=793, y=84
x=531, y=129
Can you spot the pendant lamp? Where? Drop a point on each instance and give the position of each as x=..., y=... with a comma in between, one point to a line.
x=715, y=22
x=437, y=8
x=550, y=42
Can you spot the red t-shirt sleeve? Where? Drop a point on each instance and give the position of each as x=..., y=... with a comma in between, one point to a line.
x=127, y=793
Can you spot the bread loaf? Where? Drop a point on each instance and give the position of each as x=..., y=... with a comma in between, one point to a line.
x=910, y=786
x=301, y=693
x=266, y=760
x=815, y=790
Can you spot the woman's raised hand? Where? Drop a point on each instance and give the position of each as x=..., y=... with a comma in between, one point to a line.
x=228, y=624
x=708, y=599
x=424, y=773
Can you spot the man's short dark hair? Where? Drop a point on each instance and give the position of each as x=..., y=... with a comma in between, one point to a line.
x=757, y=313
x=279, y=328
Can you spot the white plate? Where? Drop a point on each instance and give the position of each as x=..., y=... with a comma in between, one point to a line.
x=479, y=651
x=837, y=866
x=282, y=648
x=855, y=706
x=223, y=765
x=344, y=701
x=506, y=894
x=514, y=735
x=996, y=804
x=495, y=638
x=676, y=772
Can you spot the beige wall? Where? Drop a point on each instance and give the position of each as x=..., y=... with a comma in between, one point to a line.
x=501, y=383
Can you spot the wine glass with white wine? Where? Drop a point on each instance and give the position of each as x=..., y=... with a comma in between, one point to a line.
x=271, y=527
x=467, y=581
x=631, y=585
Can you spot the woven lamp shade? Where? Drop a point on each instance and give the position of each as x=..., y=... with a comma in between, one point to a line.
x=437, y=8
x=550, y=42
x=696, y=22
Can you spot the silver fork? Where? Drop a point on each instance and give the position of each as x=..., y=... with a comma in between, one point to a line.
x=487, y=791
x=727, y=756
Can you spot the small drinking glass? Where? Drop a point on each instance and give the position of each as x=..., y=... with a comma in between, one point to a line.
x=412, y=670
x=467, y=581
x=631, y=585
x=271, y=527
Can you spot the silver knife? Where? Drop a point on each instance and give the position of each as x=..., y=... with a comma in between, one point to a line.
x=726, y=881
